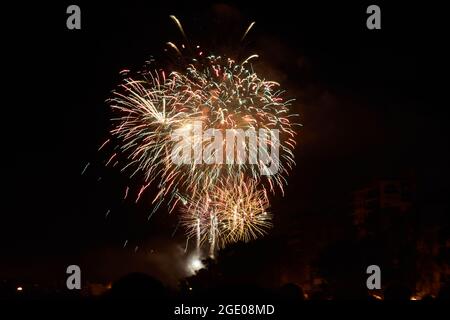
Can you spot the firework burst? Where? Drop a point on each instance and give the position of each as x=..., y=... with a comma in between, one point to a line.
x=221, y=202
x=234, y=210
x=220, y=95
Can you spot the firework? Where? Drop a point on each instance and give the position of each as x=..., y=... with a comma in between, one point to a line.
x=235, y=210
x=222, y=202
x=219, y=95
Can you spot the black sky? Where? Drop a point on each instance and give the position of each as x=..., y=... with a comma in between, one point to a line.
x=367, y=101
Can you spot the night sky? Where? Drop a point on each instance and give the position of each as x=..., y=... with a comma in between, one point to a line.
x=367, y=101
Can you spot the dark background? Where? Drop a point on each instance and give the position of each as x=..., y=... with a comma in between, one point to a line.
x=367, y=100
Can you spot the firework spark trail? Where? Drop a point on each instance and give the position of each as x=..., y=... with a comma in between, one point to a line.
x=103, y=144
x=126, y=193
x=247, y=31
x=198, y=235
x=213, y=232
x=85, y=168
